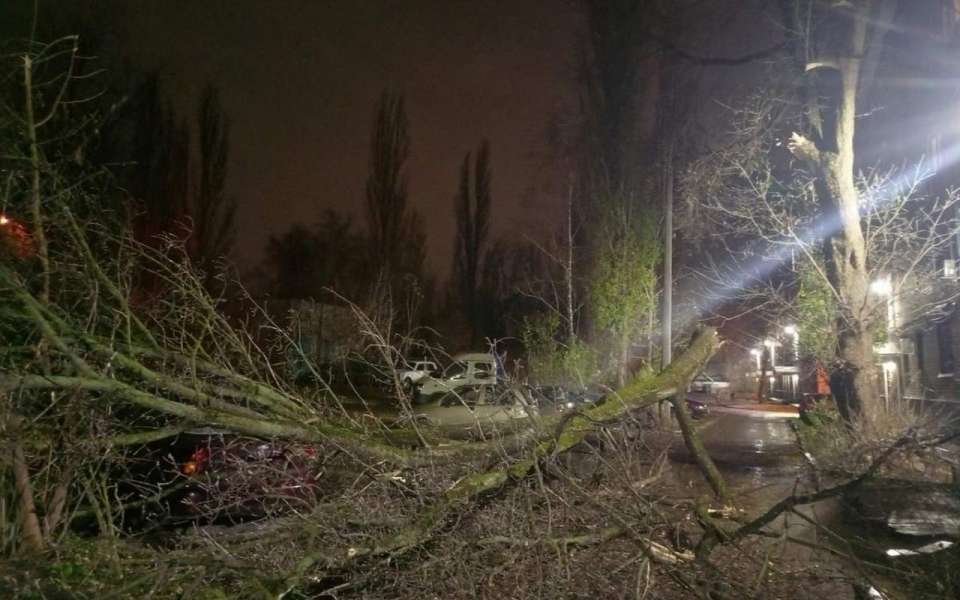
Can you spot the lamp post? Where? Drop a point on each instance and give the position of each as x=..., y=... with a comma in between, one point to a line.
x=883, y=287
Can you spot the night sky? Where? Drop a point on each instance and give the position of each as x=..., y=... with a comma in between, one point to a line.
x=300, y=80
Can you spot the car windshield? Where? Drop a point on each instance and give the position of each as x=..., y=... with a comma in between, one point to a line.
x=457, y=368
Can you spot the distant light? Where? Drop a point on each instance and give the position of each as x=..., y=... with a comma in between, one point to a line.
x=882, y=287
x=4, y=220
x=949, y=268
x=790, y=330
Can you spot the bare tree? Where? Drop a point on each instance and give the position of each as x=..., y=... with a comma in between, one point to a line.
x=850, y=230
x=395, y=231
x=387, y=215
x=211, y=212
x=472, y=213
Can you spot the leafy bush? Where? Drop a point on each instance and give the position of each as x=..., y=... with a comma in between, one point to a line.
x=551, y=362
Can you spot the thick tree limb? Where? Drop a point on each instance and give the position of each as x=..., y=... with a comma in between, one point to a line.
x=645, y=391
x=699, y=452
x=29, y=521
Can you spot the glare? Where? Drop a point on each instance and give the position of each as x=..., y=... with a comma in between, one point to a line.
x=882, y=287
x=790, y=330
x=4, y=220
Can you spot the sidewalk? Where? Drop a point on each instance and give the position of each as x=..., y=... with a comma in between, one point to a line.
x=766, y=410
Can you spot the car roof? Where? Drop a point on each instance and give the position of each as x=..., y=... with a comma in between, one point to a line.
x=474, y=356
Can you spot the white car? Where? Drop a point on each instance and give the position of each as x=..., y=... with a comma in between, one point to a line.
x=467, y=371
x=709, y=384
x=417, y=372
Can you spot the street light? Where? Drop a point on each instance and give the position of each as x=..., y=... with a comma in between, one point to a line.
x=771, y=345
x=889, y=371
x=882, y=287
x=793, y=332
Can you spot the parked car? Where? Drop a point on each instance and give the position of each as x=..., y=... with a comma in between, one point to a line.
x=417, y=371
x=467, y=371
x=698, y=408
x=564, y=398
x=697, y=405
x=234, y=476
x=482, y=408
x=709, y=384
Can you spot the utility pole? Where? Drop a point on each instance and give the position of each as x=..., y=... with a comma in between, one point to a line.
x=667, y=339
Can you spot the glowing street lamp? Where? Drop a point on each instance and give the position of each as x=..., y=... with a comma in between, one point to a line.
x=889, y=372
x=793, y=332
x=882, y=287
x=771, y=345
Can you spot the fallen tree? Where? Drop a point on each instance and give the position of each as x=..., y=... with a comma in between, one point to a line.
x=181, y=364
x=90, y=369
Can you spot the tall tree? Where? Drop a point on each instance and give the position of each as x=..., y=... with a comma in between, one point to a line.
x=304, y=262
x=623, y=282
x=172, y=186
x=395, y=231
x=212, y=211
x=387, y=216
x=853, y=223
x=849, y=48
x=472, y=213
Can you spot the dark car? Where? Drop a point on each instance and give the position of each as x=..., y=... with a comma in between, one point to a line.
x=697, y=407
x=564, y=398
x=236, y=476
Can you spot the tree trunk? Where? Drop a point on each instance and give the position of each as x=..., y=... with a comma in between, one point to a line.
x=848, y=248
x=695, y=445
x=852, y=379
x=624, y=360
x=667, y=343
x=568, y=271
x=29, y=522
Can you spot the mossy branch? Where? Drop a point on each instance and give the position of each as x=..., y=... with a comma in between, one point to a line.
x=645, y=391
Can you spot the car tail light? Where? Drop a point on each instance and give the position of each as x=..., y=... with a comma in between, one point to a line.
x=198, y=460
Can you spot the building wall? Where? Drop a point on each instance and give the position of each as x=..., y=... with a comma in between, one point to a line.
x=928, y=377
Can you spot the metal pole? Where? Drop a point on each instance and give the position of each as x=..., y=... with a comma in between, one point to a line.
x=667, y=340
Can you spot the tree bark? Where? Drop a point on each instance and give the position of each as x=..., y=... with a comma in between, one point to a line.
x=699, y=452
x=852, y=379
x=29, y=522
x=571, y=431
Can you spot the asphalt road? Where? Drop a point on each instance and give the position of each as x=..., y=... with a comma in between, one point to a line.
x=740, y=439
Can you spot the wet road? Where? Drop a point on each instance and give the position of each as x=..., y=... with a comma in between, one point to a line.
x=738, y=439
